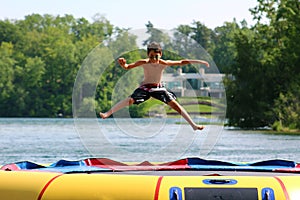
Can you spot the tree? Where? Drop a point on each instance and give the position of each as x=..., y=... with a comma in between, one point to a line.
x=266, y=68
x=225, y=49
x=7, y=64
x=156, y=35
x=47, y=53
x=199, y=33
x=8, y=32
x=116, y=83
x=245, y=108
x=194, y=42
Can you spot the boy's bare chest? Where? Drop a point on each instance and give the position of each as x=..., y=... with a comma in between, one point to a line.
x=153, y=73
x=153, y=68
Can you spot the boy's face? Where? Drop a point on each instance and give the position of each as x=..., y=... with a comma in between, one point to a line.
x=154, y=56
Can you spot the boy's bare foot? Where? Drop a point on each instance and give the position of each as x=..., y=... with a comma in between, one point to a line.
x=198, y=127
x=103, y=115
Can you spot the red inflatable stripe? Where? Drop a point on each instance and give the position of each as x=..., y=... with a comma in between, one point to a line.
x=46, y=186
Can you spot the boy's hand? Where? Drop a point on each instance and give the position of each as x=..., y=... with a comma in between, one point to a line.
x=206, y=64
x=122, y=62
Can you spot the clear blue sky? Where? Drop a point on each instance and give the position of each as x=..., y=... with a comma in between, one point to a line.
x=164, y=14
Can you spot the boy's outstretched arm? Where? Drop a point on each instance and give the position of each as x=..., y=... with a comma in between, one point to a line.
x=186, y=62
x=124, y=65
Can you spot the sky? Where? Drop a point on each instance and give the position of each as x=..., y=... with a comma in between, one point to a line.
x=134, y=14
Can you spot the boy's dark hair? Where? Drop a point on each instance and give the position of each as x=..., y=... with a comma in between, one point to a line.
x=154, y=46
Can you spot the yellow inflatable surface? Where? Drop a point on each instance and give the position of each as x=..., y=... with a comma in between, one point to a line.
x=154, y=185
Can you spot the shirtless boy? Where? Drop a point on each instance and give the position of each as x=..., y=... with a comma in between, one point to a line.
x=151, y=85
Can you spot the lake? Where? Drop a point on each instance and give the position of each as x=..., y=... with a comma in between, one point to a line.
x=49, y=140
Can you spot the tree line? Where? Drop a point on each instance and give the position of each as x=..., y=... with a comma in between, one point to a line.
x=40, y=57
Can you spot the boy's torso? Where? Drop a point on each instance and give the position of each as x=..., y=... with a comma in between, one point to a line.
x=153, y=73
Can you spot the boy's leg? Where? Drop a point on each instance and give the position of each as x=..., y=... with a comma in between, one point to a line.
x=126, y=102
x=138, y=96
x=176, y=106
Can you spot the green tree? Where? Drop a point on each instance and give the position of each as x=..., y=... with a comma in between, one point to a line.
x=266, y=71
x=7, y=64
x=116, y=83
x=204, y=36
x=287, y=109
x=28, y=82
x=199, y=33
x=188, y=42
x=156, y=35
x=244, y=92
x=8, y=32
x=47, y=53
x=225, y=49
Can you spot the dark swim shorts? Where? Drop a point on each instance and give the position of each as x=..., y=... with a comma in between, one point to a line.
x=157, y=91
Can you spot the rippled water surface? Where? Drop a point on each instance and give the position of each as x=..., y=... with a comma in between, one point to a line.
x=49, y=140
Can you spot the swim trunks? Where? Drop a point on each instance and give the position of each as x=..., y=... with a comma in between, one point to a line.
x=157, y=91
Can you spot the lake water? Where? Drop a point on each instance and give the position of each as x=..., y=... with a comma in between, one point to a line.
x=49, y=140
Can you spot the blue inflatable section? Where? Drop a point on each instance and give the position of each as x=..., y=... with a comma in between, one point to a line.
x=28, y=165
x=269, y=165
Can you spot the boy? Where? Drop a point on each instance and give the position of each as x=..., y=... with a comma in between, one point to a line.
x=151, y=85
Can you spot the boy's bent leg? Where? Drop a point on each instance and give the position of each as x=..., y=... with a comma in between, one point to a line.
x=126, y=102
x=176, y=106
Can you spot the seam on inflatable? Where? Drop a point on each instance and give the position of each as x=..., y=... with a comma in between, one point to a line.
x=157, y=188
x=286, y=194
x=46, y=186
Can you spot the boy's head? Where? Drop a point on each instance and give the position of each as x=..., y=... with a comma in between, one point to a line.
x=154, y=50
x=154, y=46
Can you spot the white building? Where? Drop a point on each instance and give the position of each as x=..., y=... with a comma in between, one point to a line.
x=195, y=84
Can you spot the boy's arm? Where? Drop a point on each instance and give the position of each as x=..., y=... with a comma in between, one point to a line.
x=124, y=65
x=186, y=62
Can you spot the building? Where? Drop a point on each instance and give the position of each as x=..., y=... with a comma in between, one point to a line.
x=195, y=84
